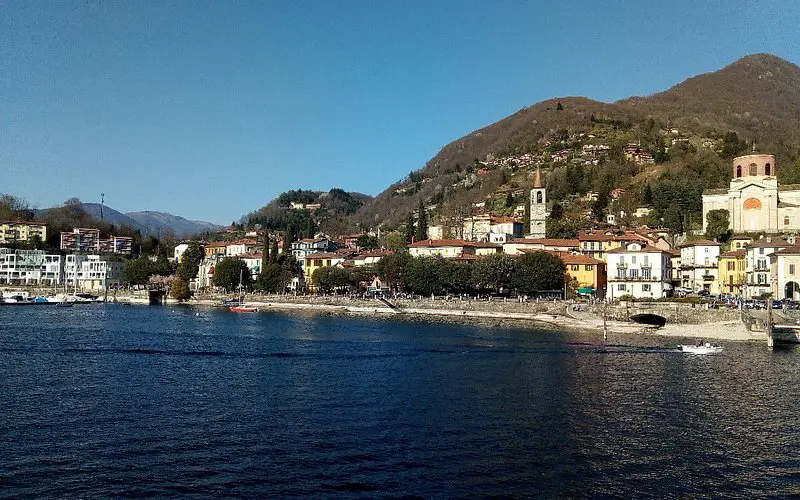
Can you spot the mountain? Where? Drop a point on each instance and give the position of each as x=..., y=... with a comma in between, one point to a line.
x=160, y=221
x=757, y=97
x=149, y=222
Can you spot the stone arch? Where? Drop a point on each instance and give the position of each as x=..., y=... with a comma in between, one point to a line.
x=767, y=169
x=790, y=290
x=738, y=170
x=752, y=169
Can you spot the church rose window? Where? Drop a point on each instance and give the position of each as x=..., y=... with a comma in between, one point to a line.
x=752, y=204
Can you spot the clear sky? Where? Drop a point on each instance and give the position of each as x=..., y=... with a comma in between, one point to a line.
x=208, y=110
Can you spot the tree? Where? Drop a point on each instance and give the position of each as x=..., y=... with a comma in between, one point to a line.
x=509, y=200
x=180, y=290
x=673, y=218
x=494, y=273
x=559, y=106
x=265, y=256
x=647, y=194
x=422, y=223
x=366, y=242
x=557, y=212
x=526, y=218
x=190, y=262
x=599, y=206
x=539, y=272
x=409, y=232
x=392, y=269
x=289, y=236
x=273, y=251
x=138, y=271
x=328, y=279
x=228, y=272
x=718, y=225
x=423, y=275
x=394, y=240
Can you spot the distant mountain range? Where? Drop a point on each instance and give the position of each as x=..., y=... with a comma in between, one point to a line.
x=149, y=222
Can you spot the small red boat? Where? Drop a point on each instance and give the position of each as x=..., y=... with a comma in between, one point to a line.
x=244, y=309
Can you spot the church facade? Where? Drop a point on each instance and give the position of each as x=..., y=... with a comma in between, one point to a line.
x=754, y=200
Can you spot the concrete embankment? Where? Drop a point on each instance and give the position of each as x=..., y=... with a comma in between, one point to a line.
x=683, y=320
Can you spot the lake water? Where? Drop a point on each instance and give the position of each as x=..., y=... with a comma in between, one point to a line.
x=114, y=401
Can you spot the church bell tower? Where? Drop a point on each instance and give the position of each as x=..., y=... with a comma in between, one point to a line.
x=538, y=207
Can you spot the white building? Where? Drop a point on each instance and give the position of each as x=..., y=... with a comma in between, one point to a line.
x=754, y=200
x=29, y=267
x=240, y=247
x=504, y=229
x=638, y=270
x=758, y=275
x=699, y=266
x=93, y=272
x=785, y=272
x=179, y=250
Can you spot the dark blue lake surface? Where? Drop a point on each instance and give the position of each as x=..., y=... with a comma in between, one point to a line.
x=113, y=401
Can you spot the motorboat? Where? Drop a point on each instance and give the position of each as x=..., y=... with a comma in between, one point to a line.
x=704, y=348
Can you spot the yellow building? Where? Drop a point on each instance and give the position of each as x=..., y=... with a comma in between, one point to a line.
x=314, y=261
x=216, y=248
x=588, y=272
x=732, y=271
x=11, y=231
x=738, y=241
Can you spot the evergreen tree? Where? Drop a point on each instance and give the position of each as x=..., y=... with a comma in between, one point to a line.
x=422, y=223
x=273, y=252
x=409, y=233
x=311, y=228
x=265, y=256
x=526, y=222
x=647, y=194
x=509, y=200
x=289, y=236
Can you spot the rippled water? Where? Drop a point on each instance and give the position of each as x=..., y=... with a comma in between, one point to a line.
x=117, y=401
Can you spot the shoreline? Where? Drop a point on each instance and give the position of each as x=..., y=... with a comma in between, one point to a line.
x=543, y=314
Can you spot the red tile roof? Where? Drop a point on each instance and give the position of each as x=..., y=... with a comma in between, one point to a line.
x=451, y=243
x=554, y=242
x=740, y=253
x=700, y=243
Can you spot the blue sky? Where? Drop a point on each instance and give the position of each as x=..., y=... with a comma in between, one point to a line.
x=208, y=110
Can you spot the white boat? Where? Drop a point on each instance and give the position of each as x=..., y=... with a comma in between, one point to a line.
x=706, y=348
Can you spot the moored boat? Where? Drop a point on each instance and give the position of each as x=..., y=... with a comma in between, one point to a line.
x=244, y=309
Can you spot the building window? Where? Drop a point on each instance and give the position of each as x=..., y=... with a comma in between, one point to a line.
x=767, y=169
x=785, y=221
x=633, y=259
x=538, y=196
x=590, y=267
x=575, y=267
x=621, y=287
x=730, y=265
x=791, y=268
x=760, y=251
x=645, y=288
x=752, y=169
x=738, y=170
